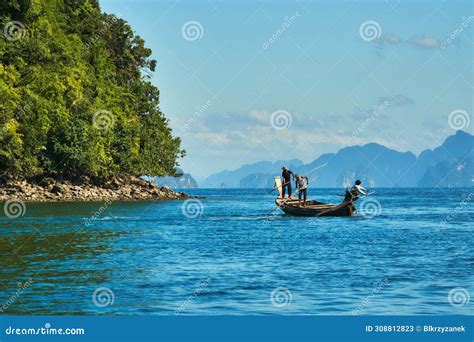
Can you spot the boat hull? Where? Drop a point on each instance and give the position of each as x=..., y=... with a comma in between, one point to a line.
x=315, y=209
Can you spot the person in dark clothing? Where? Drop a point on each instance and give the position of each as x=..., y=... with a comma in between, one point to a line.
x=355, y=192
x=358, y=190
x=287, y=176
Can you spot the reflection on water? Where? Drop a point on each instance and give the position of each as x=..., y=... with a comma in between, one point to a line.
x=147, y=258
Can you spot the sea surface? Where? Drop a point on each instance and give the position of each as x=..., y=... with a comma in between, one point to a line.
x=408, y=251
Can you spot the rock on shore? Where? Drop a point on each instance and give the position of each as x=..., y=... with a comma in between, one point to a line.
x=125, y=188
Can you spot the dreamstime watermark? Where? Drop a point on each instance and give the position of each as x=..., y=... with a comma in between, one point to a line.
x=22, y=287
x=192, y=208
x=269, y=217
x=459, y=296
x=281, y=297
x=459, y=119
x=14, y=208
x=103, y=119
x=367, y=300
x=190, y=300
x=465, y=22
x=14, y=30
x=99, y=212
x=46, y=330
x=370, y=30
x=287, y=22
x=23, y=110
x=371, y=118
x=466, y=199
x=192, y=31
x=281, y=119
x=196, y=115
x=100, y=34
x=102, y=297
x=370, y=208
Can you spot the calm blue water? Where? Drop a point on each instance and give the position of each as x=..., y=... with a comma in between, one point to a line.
x=154, y=260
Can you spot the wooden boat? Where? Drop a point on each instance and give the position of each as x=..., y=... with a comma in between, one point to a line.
x=313, y=208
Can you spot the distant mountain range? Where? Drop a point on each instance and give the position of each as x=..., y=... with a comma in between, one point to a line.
x=250, y=175
x=449, y=165
x=186, y=181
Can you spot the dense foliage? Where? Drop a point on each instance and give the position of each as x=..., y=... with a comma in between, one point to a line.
x=75, y=94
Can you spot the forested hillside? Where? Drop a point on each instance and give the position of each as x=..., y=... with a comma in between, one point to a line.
x=76, y=97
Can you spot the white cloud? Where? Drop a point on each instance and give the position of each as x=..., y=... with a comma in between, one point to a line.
x=390, y=39
x=427, y=42
x=397, y=100
x=424, y=41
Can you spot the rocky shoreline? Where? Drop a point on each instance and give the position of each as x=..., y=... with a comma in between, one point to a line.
x=47, y=189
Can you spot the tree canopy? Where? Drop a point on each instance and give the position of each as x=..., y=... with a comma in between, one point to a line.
x=76, y=96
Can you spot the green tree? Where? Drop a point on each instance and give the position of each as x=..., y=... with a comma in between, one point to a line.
x=77, y=99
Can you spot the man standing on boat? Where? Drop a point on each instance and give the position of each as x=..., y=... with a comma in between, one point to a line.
x=358, y=190
x=302, y=183
x=287, y=175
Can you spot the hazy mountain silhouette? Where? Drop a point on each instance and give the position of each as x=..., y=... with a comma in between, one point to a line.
x=264, y=170
x=186, y=181
x=448, y=165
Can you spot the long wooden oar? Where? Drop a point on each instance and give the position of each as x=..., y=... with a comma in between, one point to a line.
x=281, y=186
x=316, y=168
x=368, y=194
x=313, y=178
x=309, y=172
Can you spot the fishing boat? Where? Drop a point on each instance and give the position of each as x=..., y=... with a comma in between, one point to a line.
x=313, y=208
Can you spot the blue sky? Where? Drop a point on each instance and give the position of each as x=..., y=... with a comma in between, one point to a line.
x=329, y=82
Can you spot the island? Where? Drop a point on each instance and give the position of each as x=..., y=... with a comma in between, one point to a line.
x=79, y=116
